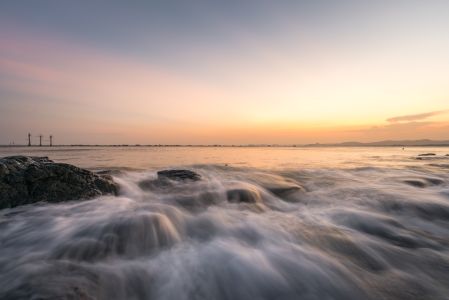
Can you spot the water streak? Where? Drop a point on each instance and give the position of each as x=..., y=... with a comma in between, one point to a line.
x=364, y=232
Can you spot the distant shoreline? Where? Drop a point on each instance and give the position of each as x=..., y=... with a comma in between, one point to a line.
x=233, y=146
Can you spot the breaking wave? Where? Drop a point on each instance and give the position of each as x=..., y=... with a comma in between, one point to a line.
x=238, y=233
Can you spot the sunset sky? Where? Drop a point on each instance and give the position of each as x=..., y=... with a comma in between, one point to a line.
x=228, y=72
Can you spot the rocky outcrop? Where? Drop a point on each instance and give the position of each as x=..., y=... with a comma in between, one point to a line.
x=25, y=180
x=178, y=175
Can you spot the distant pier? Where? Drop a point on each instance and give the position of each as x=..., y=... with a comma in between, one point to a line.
x=40, y=136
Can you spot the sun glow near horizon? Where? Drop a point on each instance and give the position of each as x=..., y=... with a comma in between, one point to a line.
x=291, y=73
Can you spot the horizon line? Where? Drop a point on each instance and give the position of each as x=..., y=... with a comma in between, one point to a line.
x=382, y=143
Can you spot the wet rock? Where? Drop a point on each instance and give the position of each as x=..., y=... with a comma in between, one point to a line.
x=243, y=195
x=178, y=175
x=280, y=186
x=443, y=166
x=112, y=172
x=168, y=179
x=25, y=180
x=416, y=183
x=427, y=154
x=423, y=182
x=434, y=181
x=283, y=191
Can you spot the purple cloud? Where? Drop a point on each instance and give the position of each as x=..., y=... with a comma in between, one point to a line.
x=416, y=117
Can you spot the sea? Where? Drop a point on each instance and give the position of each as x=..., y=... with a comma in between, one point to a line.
x=262, y=223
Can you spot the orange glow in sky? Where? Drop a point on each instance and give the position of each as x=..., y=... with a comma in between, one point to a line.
x=292, y=79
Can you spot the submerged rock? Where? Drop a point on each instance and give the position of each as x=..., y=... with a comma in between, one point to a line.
x=25, y=180
x=178, y=175
x=168, y=179
x=427, y=154
x=423, y=182
x=243, y=195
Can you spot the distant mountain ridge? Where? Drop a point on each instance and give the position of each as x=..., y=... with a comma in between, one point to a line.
x=385, y=143
x=423, y=142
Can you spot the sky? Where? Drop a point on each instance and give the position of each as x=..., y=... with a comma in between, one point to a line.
x=223, y=72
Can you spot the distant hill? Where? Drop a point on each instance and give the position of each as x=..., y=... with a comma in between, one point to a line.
x=399, y=143
x=424, y=142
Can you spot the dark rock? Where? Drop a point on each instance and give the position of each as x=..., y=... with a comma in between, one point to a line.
x=25, y=180
x=113, y=172
x=427, y=154
x=434, y=181
x=243, y=195
x=168, y=179
x=283, y=187
x=423, y=182
x=443, y=166
x=416, y=183
x=178, y=175
x=285, y=191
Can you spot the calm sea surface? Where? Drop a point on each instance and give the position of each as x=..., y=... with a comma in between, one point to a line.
x=260, y=157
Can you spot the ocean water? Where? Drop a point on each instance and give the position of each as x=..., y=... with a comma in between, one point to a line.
x=262, y=223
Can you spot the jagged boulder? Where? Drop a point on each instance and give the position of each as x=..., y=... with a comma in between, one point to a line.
x=25, y=180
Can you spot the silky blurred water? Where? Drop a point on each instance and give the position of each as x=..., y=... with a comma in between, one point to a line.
x=262, y=223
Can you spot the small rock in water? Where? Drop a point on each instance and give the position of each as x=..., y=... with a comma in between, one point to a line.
x=285, y=191
x=427, y=154
x=415, y=183
x=423, y=182
x=178, y=175
x=243, y=195
x=26, y=180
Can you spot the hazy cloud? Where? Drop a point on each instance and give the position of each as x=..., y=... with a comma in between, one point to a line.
x=416, y=117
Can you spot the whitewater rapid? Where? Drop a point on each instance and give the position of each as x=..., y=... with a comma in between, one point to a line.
x=238, y=233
